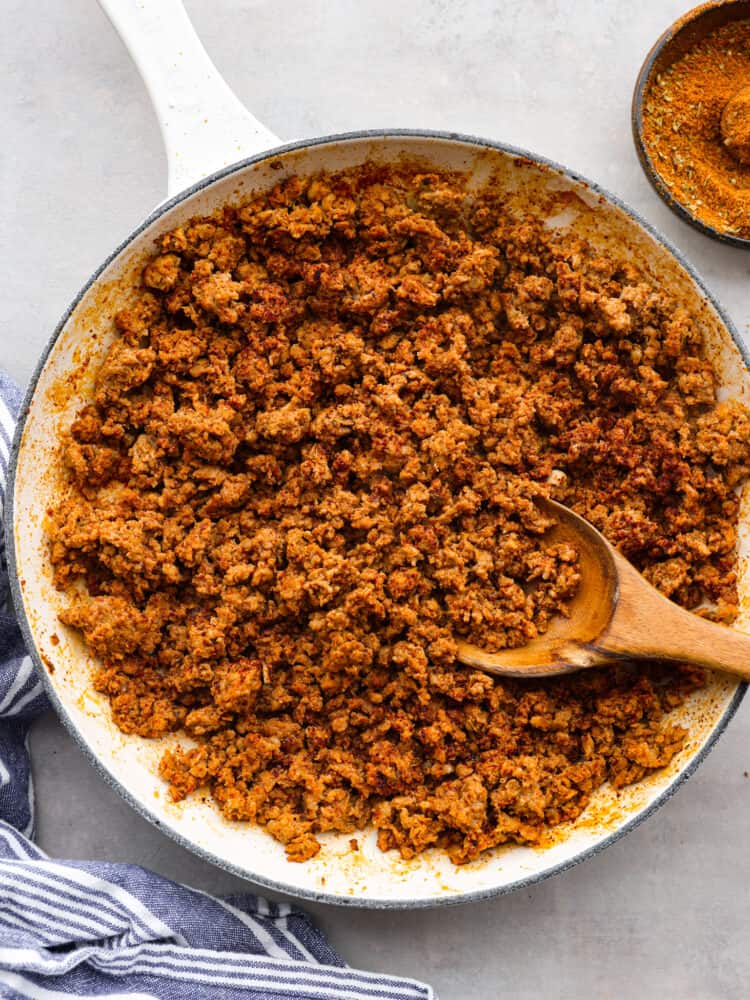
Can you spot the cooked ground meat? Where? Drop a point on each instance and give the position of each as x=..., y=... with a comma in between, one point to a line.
x=309, y=464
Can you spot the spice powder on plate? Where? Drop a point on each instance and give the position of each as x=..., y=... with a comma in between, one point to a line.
x=699, y=161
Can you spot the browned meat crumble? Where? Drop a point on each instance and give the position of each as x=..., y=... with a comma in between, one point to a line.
x=309, y=463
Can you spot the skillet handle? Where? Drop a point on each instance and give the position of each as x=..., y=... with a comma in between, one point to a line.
x=203, y=124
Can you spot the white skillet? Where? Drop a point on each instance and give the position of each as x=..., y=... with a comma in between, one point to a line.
x=217, y=152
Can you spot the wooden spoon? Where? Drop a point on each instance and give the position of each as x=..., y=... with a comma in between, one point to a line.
x=615, y=615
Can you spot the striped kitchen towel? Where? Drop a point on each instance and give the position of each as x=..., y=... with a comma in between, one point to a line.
x=91, y=929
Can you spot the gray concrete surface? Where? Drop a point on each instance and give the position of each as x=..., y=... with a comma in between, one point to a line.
x=664, y=913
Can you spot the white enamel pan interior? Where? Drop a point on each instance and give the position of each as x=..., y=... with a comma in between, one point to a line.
x=206, y=128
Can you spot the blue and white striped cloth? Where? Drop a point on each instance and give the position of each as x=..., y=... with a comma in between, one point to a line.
x=95, y=930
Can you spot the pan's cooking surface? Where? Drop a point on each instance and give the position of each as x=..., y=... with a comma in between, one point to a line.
x=367, y=877
x=328, y=409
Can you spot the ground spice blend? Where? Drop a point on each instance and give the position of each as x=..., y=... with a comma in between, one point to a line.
x=682, y=129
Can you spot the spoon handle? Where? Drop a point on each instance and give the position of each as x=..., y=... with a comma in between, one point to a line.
x=645, y=624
